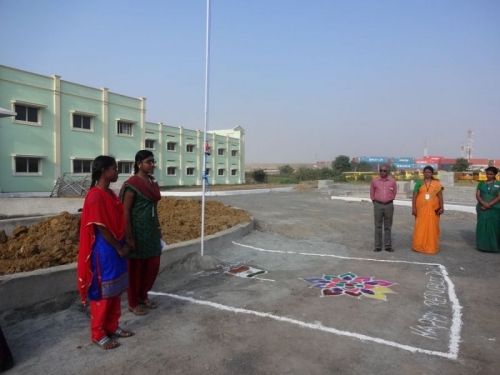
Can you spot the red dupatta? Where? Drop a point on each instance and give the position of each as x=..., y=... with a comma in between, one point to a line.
x=100, y=208
x=149, y=189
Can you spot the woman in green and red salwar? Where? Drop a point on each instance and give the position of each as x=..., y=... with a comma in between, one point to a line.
x=488, y=213
x=140, y=195
x=102, y=266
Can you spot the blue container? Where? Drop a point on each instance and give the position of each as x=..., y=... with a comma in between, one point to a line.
x=404, y=165
x=403, y=160
x=374, y=159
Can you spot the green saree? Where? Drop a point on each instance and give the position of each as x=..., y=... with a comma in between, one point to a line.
x=488, y=221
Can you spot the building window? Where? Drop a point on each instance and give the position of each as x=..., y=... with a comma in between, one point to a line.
x=171, y=171
x=27, y=165
x=234, y=172
x=125, y=167
x=189, y=148
x=150, y=144
x=82, y=166
x=27, y=114
x=190, y=171
x=234, y=152
x=83, y=122
x=220, y=172
x=171, y=146
x=124, y=127
x=220, y=151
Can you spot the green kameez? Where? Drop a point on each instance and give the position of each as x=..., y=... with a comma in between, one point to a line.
x=145, y=226
x=488, y=221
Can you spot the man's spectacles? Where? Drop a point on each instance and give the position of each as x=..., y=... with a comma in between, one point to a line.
x=383, y=170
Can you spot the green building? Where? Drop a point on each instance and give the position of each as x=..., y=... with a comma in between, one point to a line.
x=61, y=126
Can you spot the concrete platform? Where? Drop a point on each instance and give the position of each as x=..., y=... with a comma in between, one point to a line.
x=441, y=317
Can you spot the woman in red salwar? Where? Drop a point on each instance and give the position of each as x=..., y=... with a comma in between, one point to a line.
x=102, y=268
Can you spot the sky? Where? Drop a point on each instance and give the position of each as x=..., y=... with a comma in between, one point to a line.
x=307, y=79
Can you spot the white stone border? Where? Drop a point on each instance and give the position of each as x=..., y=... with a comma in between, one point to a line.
x=224, y=192
x=407, y=203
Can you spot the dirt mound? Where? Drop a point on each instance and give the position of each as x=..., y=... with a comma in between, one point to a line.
x=180, y=218
x=195, y=262
x=306, y=186
x=55, y=241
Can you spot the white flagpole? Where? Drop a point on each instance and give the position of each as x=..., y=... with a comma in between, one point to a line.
x=205, y=177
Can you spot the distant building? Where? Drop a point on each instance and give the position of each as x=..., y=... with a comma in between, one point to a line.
x=61, y=126
x=435, y=161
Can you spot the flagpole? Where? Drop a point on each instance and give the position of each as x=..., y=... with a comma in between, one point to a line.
x=204, y=150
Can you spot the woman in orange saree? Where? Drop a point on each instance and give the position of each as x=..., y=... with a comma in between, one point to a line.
x=427, y=207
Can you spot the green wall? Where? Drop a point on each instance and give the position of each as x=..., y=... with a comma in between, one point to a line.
x=56, y=137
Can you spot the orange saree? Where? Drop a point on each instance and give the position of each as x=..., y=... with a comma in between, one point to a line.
x=426, y=231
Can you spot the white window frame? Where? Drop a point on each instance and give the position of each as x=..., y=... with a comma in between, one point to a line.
x=234, y=172
x=221, y=151
x=73, y=159
x=120, y=163
x=146, y=144
x=190, y=148
x=234, y=152
x=36, y=106
x=122, y=121
x=172, y=143
x=40, y=165
x=171, y=174
x=219, y=172
x=188, y=170
x=84, y=114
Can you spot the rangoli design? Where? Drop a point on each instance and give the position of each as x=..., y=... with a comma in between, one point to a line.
x=352, y=285
x=242, y=270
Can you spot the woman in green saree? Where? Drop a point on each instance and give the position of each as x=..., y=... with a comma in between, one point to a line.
x=140, y=195
x=488, y=212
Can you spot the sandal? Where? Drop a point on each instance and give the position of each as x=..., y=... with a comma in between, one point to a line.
x=107, y=343
x=122, y=333
x=150, y=304
x=138, y=310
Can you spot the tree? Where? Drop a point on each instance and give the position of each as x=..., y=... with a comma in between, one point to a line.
x=324, y=173
x=306, y=174
x=460, y=165
x=286, y=170
x=364, y=167
x=341, y=164
x=259, y=175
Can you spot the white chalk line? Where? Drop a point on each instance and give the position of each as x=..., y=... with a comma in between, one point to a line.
x=456, y=326
x=334, y=256
x=314, y=326
x=262, y=278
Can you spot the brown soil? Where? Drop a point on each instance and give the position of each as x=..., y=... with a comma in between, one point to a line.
x=54, y=241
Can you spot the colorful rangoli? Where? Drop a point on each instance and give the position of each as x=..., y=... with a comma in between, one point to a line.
x=352, y=285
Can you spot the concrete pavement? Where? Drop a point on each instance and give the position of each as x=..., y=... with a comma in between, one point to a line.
x=439, y=315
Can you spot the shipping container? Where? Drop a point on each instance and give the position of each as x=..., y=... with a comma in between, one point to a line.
x=404, y=165
x=374, y=159
x=403, y=160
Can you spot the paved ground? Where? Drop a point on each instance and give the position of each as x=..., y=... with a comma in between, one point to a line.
x=440, y=315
